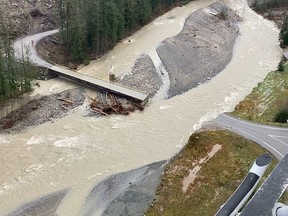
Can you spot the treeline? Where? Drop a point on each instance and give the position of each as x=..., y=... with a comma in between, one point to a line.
x=91, y=27
x=284, y=33
x=267, y=4
x=15, y=75
x=264, y=5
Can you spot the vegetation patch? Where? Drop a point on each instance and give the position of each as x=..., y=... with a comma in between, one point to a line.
x=284, y=33
x=215, y=181
x=267, y=99
x=282, y=116
x=16, y=75
x=268, y=4
x=90, y=28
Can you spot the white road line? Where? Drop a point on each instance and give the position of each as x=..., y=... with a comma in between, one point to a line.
x=254, y=124
x=263, y=142
x=274, y=137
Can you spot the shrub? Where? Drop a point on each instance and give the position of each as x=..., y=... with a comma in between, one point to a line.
x=283, y=36
x=112, y=77
x=86, y=61
x=282, y=116
x=281, y=65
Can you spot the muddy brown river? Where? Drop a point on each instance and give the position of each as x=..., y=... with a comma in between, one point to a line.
x=78, y=152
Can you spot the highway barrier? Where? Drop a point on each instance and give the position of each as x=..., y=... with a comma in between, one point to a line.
x=246, y=188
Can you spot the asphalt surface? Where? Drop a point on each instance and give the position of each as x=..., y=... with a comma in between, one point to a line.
x=274, y=139
x=130, y=185
x=28, y=44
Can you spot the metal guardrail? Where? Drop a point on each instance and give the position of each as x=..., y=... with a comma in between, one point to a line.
x=265, y=200
x=246, y=188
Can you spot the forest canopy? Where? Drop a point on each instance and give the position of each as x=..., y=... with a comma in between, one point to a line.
x=16, y=75
x=284, y=33
x=91, y=27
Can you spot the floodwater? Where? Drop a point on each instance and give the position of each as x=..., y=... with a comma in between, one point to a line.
x=78, y=152
x=121, y=59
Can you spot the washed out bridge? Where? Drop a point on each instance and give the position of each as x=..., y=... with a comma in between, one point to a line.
x=99, y=84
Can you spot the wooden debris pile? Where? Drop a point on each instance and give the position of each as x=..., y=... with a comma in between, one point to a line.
x=113, y=106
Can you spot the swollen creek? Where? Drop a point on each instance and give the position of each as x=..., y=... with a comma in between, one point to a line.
x=76, y=152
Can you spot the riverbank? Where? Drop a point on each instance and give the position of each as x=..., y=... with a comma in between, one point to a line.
x=207, y=171
x=83, y=151
x=211, y=184
x=272, y=10
x=204, y=174
x=267, y=100
x=203, y=34
x=220, y=23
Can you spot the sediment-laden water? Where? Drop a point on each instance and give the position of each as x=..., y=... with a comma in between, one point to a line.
x=78, y=152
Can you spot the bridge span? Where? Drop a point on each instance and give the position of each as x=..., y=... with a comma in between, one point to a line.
x=99, y=84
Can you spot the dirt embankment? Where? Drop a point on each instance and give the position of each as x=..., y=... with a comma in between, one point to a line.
x=29, y=17
x=202, y=49
x=52, y=49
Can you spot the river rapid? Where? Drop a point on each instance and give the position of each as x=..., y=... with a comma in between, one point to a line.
x=78, y=152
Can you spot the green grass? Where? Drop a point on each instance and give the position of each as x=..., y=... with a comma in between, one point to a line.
x=266, y=100
x=216, y=181
x=219, y=177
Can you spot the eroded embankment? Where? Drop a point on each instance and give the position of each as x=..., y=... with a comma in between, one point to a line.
x=202, y=49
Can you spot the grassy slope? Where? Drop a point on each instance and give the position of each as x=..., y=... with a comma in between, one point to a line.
x=216, y=181
x=268, y=98
x=221, y=175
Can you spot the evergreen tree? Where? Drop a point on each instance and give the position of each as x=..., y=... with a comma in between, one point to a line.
x=284, y=33
x=130, y=15
x=15, y=75
x=144, y=11
x=95, y=26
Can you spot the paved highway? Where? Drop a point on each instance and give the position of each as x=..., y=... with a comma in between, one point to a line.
x=274, y=139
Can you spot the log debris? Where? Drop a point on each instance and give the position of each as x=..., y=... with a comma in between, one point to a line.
x=112, y=105
x=65, y=100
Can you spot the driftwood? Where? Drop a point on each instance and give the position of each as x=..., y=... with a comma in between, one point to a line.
x=98, y=111
x=113, y=106
x=65, y=100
